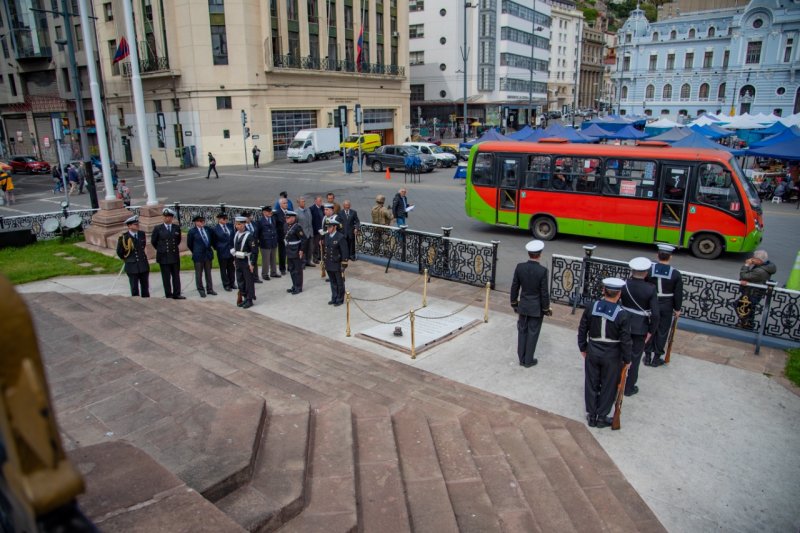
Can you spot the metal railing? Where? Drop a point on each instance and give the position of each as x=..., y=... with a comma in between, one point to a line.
x=333, y=65
x=35, y=222
x=146, y=66
x=724, y=304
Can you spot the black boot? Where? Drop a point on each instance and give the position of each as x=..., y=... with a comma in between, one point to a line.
x=648, y=358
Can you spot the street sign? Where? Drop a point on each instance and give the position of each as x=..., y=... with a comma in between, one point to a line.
x=187, y=133
x=162, y=123
x=254, y=137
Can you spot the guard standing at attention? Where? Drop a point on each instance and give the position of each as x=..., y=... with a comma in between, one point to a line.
x=131, y=249
x=244, y=253
x=669, y=286
x=223, y=242
x=335, y=257
x=639, y=299
x=604, y=339
x=530, y=299
x=166, y=239
x=295, y=243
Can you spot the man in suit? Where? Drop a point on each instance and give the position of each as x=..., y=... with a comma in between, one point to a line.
x=640, y=300
x=295, y=243
x=531, y=300
x=166, y=239
x=223, y=242
x=304, y=221
x=317, y=214
x=200, y=242
x=280, y=224
x=335, y=257
x=331, y=199
x=245, y=252
x=267, y=237
x=350, y=227
x=131, y=249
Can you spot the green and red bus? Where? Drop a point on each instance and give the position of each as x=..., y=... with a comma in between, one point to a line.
x=692, y=198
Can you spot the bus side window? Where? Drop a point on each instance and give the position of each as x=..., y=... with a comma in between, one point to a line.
x=629, y=177
x=537, y=175
x=509, y=178
x=583, y=174
x=715, y=186
x=482, y=170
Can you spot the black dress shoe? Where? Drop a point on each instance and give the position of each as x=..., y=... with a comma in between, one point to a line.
x=337, y=304
x=240, y=304
x=657, y=361
x=604, y=421
x=265, y=278
x=276, y=275
x=228, y=289
x=257, y=281
x=633, y=391
x=211, y=292
x=202, y=293
x=247, y=304
x=592, y=421
x=290, y=290
x=297, y=291
x=331, y=302
x=648, y=359
x=532, y=363
x=179, y=297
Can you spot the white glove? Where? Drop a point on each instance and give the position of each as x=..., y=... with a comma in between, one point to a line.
x=233, y=251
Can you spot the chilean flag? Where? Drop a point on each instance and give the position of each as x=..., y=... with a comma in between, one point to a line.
x=123, y=50
x=360, y=48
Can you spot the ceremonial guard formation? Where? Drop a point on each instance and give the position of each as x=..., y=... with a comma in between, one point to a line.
x=131, y=249
x=530, y=299
x=245, y=252
x=669, y=287
x=201, y=243
x=604, y=341
x=166, y=239
x=223, y=242
x=335, y=255
x=640, y=300
x=295, y=243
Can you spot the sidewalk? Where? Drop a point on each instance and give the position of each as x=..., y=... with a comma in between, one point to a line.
x=707, y=445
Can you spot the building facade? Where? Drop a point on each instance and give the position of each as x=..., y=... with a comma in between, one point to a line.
x=284, y=65
x=506, y=68
x=565, y=55
x=735, y=60
x=591, y=73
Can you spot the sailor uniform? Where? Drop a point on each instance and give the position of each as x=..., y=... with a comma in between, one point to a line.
x=245, y=254
x=131, y=249
x=640, y=301
x=669, y=287
x=295, y=242
x=335, y=256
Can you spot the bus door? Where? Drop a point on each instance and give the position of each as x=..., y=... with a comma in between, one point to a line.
x=671, y=217
x=510, y=171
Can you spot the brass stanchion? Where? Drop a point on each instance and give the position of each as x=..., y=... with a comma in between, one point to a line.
x=413, y=348
x=347, y=299
x=486, y=303
x=425, y=289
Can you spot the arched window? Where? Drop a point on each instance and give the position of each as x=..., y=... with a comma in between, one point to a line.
x=666, y=92
x=691, y=33
x=673, y=35
x=712, y=31
x=721, y=92
x=655, y=36
x=624, y=92
x=650, y=92
x=704, y=88
x=701, y=112
x=686, y=90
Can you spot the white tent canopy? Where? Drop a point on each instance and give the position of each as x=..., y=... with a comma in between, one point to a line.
x=763, y=118
x=743, y=122
x=665, y=123
x=705, y=120
x=791, y=120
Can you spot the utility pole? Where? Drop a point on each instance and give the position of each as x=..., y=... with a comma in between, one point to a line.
x=465, y=57
x=530, y=78
x=245, y=135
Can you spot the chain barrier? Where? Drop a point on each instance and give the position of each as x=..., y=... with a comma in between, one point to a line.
x=388, y=322
x=469, y=303
x=401, y=291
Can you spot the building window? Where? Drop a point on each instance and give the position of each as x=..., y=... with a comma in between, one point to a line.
x=753, y=56
x=653, y=63
x=416, y=31
x=313, y=46
x=712, y=31
x=219, y=45
x=291, y=10
x=758, y=23
x=332, y=49
x=780, y=91
x=332, y=14
x=673, y=35
x=624, y=92
x=112, y=50
x=417, y=92
x=655, y=36
x=224, y=102
x=692, y=33
x=670, y=61
x=12, y=85
x=108, y=11
x=726, y=56
x=650, y=92
x=686, y=91
x=443, y=40
x=416, y=58
x=294, y=44
x=708, y=59
x=286, y=124
x=626, y=63
x=787, y=54
x=688, y=62
x=721, y=92
x=78, y=38
x=348, y=17
x=67, y=82
x=666, y=92
x=311, y=11
x=704, y=89
x=416, y=5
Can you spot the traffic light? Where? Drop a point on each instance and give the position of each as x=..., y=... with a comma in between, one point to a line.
x=244, y=118
x=246, y=132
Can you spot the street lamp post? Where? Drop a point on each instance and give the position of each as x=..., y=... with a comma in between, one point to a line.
x=577, y=74
x=534, y=28
x=465, y=57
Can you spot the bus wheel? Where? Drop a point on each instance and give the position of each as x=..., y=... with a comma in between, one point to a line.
x=543, y=228
x=706, y=246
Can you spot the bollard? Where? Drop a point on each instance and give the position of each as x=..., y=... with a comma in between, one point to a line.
x=347, y=299
x=794, y=277
x=588, y=250
x=486, y=302
x=413, y=348
x=425, y=289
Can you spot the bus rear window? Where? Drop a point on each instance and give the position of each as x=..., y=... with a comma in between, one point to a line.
x=630, y=177
x=482, y=169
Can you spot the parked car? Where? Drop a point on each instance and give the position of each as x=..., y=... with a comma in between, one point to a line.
x=453, y=149
x=553, y=114
x=443, y=159
x=29, y=164
x=393, y=156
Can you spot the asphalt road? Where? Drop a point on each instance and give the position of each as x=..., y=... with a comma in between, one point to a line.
x=439, y=200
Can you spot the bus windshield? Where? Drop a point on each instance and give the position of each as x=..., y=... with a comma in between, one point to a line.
x=749, y=188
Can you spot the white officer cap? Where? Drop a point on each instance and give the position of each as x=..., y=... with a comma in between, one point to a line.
x=333, y=219
x=132, y=220
x=241, y=219
x=615, y=284
x=640, y=263
x=663, y=247
x=167, y=212
x=327, y=206
x=534, y=246
x=291, y=214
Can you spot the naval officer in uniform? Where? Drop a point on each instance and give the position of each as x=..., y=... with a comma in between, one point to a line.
x=295, y=241
x=640, y=301
x=531, y=300
x=245, y=255
x=131, y=249
x=166, y=239
x=336, y=254
x=604, y=340
x=669, y=287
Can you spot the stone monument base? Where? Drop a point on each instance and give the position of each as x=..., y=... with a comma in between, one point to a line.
x=107, y=224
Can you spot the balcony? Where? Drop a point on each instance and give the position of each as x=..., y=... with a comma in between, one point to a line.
x=331, y=65
x=152, y=67
x=28, y=53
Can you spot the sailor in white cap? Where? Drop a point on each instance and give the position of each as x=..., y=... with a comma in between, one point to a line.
x=604, y=339
x=295, y=241
x=640, y=301
x=327, y=212
x=131, y=249
x=530, y=299
x=166, y=239
x=669, y=287
x=335, y=256
x=244, y=253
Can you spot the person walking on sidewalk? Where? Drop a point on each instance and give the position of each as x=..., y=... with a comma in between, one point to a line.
x=131, y=249
x=604, y=340
x=166, y=239
x=212, y=166
x=201, y=243
x=153, y=165
x=530, y=299
x=256, y=156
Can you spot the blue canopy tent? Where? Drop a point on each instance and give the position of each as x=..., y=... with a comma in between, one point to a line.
x=628, y=133
x=534, y=136
x=489, y=135
x=562, y=132
x=670, y=136
x=711, y=131
x=521, y=134
x=613, y=122
x=776, y=128
x=788, y=134
x=596, y=132
x=789, y=150
x=698, y=140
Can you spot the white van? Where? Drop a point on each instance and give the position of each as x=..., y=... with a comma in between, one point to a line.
x=317, y=143
x=443, y=159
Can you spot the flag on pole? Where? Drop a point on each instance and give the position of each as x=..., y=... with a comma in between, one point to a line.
x=123, y=50
x=360, y=48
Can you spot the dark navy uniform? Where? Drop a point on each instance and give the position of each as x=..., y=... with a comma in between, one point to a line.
x=640, y=301
x=605, y=335
x=131, y=249
x=335, y=257
x=529, y=298
x=245, y=253
x=295, y=244
x=223, y=242
x=166, y=239
x=669, y=287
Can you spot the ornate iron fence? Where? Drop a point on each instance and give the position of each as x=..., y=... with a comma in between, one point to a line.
x=35, y=222
x=333, y=65
x=470, y=262
x=725, y=303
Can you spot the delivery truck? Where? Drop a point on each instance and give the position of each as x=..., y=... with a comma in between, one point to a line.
x=312, y=144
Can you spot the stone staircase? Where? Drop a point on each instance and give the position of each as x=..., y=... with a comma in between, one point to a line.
x=283, y=429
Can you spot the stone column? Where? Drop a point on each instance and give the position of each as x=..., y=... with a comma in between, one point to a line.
x=107, y=224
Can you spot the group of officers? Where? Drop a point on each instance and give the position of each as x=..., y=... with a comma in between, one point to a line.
x=631, y=322
x=237, y=248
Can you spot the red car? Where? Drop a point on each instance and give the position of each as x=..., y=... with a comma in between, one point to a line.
x=29, y=164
